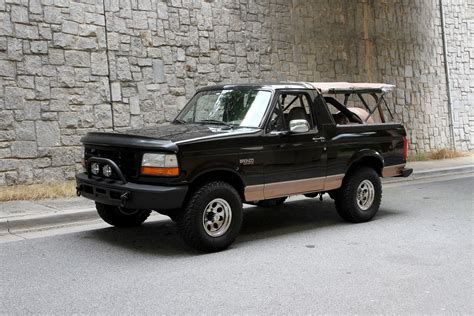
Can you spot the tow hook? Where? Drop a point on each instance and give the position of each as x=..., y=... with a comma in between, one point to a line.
x=78, y=190
x=124, y=198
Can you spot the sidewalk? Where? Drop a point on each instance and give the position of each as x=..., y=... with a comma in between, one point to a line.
x=22, y=216
x=433, y=168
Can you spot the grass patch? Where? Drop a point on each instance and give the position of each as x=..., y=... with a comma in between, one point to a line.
x=66, y=189
x=438, y=155
x=447, y=154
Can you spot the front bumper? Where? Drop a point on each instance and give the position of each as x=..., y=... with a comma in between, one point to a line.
x=131, y=195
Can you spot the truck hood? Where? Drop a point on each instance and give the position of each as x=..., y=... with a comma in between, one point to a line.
x=176, y=132
x=164, y=136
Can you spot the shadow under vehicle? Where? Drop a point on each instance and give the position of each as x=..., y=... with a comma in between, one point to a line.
x=252, y=143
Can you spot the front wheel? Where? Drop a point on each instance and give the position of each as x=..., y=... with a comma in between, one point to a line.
x=212, y=218
x=118, y=217
x=359, y=197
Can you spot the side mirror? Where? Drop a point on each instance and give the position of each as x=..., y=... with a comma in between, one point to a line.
x=299, y=126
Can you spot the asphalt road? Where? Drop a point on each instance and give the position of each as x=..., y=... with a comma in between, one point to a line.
x=416, y=256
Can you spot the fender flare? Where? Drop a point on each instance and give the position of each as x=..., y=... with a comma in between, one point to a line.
x=213, y=167
x=364, y=154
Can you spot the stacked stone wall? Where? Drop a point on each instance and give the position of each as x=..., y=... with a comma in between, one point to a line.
x=459, y=22
x=68, y=67
x=408, y=47
x=54, y=86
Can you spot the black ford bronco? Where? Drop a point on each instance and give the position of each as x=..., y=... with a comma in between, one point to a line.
x=255, y=144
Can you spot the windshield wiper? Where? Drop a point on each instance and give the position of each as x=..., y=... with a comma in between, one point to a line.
x=180, y=121
x=215, y=122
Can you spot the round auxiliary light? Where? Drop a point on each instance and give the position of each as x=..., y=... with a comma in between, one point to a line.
x=95, y=168
x=107, y=171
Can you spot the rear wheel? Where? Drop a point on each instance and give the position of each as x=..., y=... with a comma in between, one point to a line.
x=121, y=217
x=359, y=197
x=212, y=218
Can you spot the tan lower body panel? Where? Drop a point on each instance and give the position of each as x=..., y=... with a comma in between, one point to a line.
x=254, y=192
x=333, y=182
x=392, y=171
x=286, y=188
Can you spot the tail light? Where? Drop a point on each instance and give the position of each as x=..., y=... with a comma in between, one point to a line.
x=405, y=148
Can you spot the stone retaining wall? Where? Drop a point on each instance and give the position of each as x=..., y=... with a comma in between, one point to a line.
x=68, y=67
x=459, y=21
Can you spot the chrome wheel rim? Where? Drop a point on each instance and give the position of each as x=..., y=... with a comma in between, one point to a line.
x=217, y=217
x=365, y=195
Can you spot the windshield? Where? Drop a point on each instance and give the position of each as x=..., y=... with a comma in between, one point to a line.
x=244, y=108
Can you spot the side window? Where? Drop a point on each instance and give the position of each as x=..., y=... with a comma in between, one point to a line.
x=296, y=106
x=291, y=106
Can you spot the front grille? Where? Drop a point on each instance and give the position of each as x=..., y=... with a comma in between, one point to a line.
x=128, y=161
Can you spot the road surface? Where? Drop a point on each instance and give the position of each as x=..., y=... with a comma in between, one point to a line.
x=416, y=256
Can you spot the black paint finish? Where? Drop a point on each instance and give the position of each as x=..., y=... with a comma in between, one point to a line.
x=328, y=149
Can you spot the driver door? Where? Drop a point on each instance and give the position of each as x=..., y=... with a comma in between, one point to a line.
x=296, y=160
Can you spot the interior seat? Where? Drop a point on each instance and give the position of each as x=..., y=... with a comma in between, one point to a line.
x=298, y=113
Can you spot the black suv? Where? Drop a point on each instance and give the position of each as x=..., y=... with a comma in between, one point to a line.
x=255, y=144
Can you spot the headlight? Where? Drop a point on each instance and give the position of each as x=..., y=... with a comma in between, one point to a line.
x=160, y=160
x=160, y=165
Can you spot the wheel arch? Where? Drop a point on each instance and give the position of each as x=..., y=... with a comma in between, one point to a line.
x=219, y=174
x=367, y=158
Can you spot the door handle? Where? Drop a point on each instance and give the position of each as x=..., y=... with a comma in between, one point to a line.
x=319, y=139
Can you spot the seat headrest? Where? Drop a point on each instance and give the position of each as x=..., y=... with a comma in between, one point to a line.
x=297, y=113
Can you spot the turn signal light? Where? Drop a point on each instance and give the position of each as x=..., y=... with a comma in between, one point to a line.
x=158, y=171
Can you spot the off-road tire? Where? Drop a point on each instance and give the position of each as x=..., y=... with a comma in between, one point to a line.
x=332, y=194
x=190, y=221
x=346, y=196
x=119, y=218
x=272, y=202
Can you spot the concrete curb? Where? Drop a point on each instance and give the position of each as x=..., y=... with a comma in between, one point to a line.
x=430, y=173
x=443, y=171
x=47, y=220
x=58, y=219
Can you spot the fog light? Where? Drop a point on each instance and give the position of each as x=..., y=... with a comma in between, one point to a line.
x=107, y=171
x=95, y=168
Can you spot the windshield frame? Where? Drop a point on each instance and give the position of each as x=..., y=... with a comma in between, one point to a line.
x=221, y=88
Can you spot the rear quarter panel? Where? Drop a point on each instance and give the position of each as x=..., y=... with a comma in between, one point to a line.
x=351, y=142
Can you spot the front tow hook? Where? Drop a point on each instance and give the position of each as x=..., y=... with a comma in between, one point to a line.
x=124, y=198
